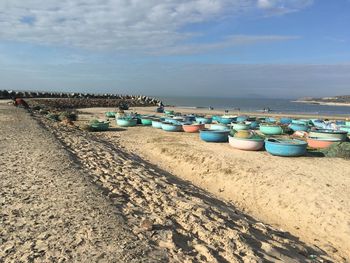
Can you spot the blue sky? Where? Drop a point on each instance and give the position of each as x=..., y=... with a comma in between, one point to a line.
x=222, y=48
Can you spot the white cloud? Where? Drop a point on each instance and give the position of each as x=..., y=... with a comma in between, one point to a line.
x=123, y=25
x=280, y=7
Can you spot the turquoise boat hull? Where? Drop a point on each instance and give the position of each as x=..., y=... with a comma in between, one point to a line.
x=286, y=148
x=271, y=129
x=220, y=127
x=298, y=127
x=345, y=128
x=100, y=126
x=226, y=120
x=214, y=135
x=156, y=124
x=324, y=133
x=169, y=127
x=204, y=120
x=240, y=126
x=146, y=121
x=126, y=122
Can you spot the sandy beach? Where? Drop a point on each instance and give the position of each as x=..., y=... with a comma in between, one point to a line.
x=307, y=196
x=89, y=197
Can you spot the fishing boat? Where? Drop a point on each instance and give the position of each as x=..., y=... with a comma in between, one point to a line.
x=169, y=112
x=327, y=133
x=126, y=122
x=285, y=147
x=156, y=123
x=204, y=120
x=345, y=128
x=247, y=144
x=146, y=121
x=171, y=127
x=240, y=126
x=219, y=126
x=227, y=119
x=298, y=127
x=99, y=125
x=321, y=143
x=285, y=120
x=191, y=128
x=271, y=129
x=242, y=118
x=214, y=135
x=110, y=114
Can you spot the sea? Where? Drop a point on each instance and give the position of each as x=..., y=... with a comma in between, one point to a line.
x=286, y=106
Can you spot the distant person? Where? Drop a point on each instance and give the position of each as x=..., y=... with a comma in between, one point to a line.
x=226, y=111
x=211, y=108
x=21, y=103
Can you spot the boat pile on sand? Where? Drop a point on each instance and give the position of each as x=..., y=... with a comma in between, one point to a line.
x=280, y=137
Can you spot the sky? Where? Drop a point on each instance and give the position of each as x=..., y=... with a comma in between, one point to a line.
x=218, y=48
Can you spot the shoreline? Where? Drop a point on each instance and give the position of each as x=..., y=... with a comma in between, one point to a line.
x=315, y=102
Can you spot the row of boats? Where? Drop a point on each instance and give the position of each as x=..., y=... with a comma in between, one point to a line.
x=245, y=132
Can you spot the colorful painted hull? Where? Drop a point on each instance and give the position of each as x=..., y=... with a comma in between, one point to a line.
x=171, y=127
x=246, y=144
x=126, y=122
x=271, y=129
x=226, y=120
x=191, y=128
x=287, y=148
x=240, y=126
x=204, y=120
x=220, y=127
x=301, y=121
x=156, y=124
x=146, y=121
x=285, y=120
x=347, y=123
x=214, y=135
x=241, y=118
x=320, y=143
x=100, y=126
x=110, y=114
x=342, y=135
x=298, y=127
x=345, y=128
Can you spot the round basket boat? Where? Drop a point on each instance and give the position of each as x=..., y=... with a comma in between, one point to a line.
x=191, y=128
x=269, y=129
x=326, y=133
x=240, y=126
x=285, y=120
x=99, y=125
x=345, y=128
x=321, y=143
x=157, y=124
x=219, y=126
x=298, y=127
x=126, y=122
x=246, y=144
x=146, y=121
x=204, y=120
x=285, y=147
x=214, y=135
x=171, y=127
x=110, y=114
x=226, y=119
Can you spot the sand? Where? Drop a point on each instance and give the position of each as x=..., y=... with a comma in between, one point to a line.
x=50, y=210
x=82, y=186
x=307, y=196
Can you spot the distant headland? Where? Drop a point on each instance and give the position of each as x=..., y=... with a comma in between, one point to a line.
x=343, y=100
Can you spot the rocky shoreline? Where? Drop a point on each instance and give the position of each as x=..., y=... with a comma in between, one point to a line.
x=80, y=100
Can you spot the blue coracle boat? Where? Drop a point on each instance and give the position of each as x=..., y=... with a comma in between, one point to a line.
x=285, y=147
x=214, y=135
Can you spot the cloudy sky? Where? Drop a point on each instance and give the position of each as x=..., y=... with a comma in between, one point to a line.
x=222, y=48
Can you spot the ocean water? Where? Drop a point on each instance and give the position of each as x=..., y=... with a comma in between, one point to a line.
x=255, y=105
